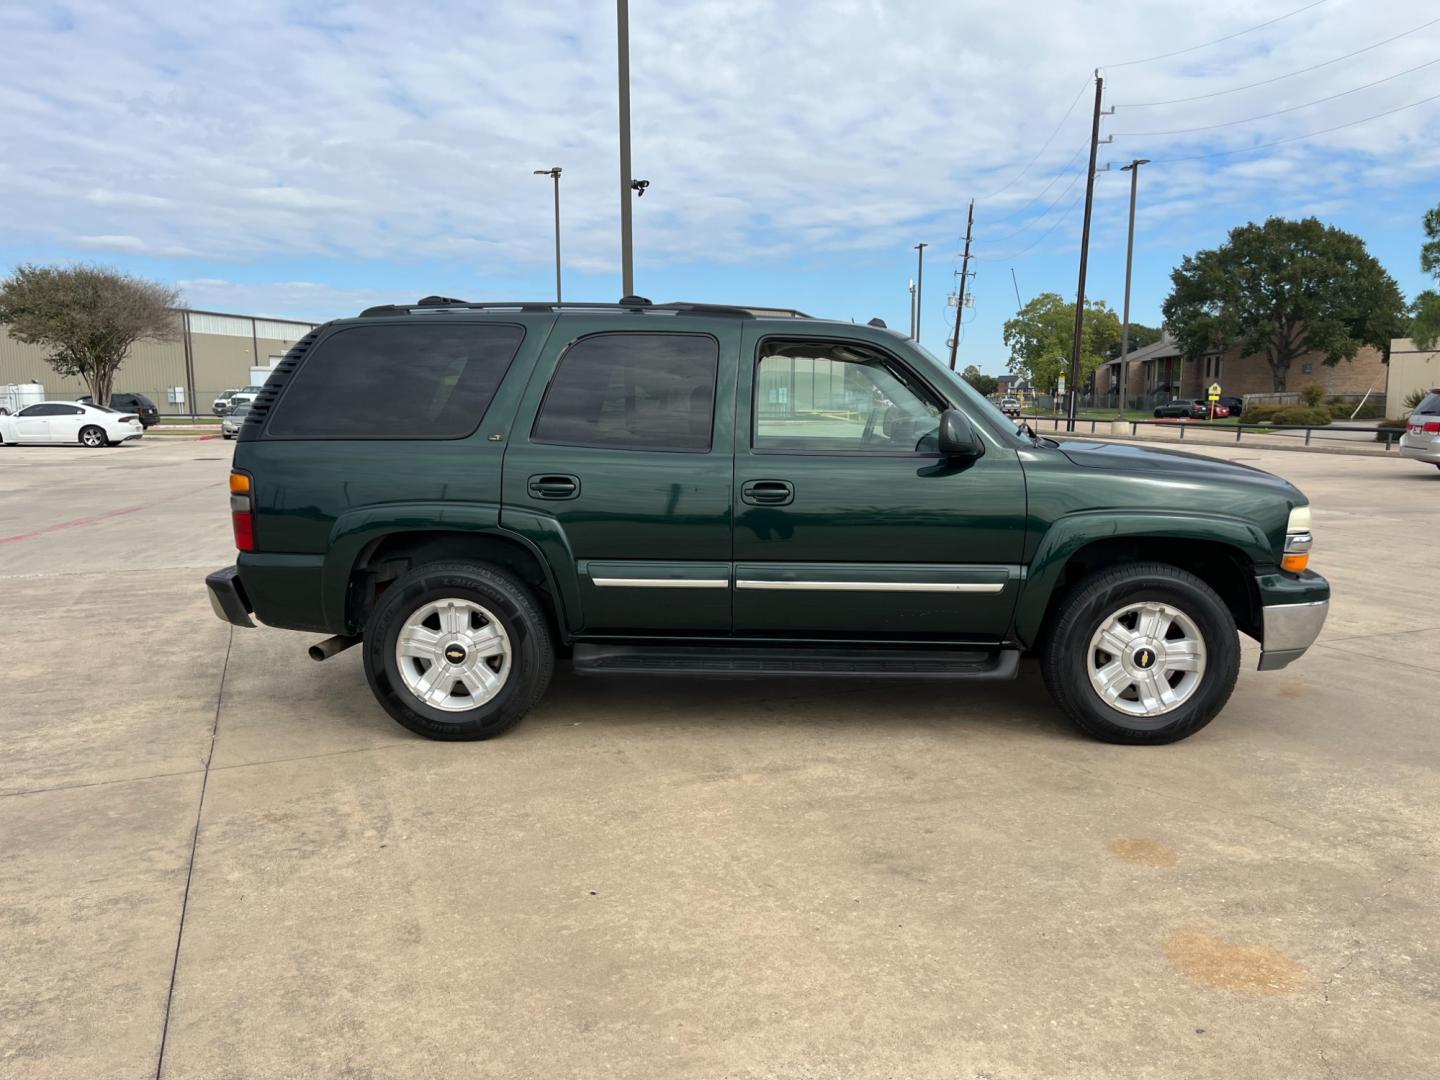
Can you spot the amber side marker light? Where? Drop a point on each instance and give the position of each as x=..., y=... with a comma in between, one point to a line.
x=1298, y=541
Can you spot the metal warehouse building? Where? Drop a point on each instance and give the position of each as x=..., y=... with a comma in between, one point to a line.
x=210, y=352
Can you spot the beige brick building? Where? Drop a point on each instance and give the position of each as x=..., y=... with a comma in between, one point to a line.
x=211, y=352
x=1160, y=369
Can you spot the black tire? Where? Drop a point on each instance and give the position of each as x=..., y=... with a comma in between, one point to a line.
x=93, y=437
x=1064, y=662
x=532, y=653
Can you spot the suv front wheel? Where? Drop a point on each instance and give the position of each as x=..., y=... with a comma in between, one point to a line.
x=1142, y=653
x=458, y=651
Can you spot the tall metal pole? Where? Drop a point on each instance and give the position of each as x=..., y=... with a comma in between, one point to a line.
x=912, y=309
x=1134, y=170
x=1084, y=258
x=554, y=174
x=627, y=253
x=920, y=289
x=964, y=273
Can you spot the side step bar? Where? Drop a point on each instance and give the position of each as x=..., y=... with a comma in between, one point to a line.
x=749, y=660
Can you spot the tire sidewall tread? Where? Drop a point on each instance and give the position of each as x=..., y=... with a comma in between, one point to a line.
x=1064, y=658
x=532, y=656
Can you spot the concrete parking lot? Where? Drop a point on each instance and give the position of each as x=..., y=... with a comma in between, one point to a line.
x=221, y=859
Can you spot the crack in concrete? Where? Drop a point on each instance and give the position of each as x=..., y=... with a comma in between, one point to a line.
x=190, y=869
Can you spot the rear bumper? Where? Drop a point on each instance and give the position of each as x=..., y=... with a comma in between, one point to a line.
x=227, y=597
x=1293, y=613
x=1420, y=449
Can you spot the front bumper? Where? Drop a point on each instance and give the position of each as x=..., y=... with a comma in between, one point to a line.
x=1293, y=612
x=227, y=596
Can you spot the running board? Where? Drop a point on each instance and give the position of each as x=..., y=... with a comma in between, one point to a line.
x=749, y=660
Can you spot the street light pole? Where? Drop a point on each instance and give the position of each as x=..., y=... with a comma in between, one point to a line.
x=1134, y=170
x=627, y=253
x=912, y=309
x=919, y=289
x=554, y=174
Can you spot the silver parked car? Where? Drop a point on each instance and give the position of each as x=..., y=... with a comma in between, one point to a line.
x=1421, y=440
x=231, y=421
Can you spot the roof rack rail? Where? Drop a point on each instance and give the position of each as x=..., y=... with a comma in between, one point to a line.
x=430, y=304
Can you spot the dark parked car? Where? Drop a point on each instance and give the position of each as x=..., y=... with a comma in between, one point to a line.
x=1234, y=406
x=1186, y=408
x=469, y=490
x=138, y=404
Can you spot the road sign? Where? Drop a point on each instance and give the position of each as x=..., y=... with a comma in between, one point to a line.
x=1214, y=391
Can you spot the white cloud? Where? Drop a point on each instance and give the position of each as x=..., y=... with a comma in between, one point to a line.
x=261, y=129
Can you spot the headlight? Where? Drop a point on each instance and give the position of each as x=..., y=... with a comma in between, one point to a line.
x=1297, y=541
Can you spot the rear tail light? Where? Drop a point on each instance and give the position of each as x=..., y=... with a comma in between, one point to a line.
x=242, y=511
x=1432, y=427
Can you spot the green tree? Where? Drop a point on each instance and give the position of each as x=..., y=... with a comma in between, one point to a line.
x=89, y=316
x=986, y=384
x=1140, y=336
x=1284, y=289
x=1041, y=333
x=1426, y=327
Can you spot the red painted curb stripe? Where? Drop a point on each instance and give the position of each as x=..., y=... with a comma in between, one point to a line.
x=77, y=523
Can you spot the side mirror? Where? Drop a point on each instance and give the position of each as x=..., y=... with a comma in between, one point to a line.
x=957, y=437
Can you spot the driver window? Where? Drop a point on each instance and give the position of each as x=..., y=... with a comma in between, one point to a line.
x=838, y=396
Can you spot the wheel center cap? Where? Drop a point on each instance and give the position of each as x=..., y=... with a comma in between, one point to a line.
x=1144, y=658
x=454, y=654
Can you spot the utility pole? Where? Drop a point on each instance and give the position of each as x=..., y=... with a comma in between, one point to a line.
x=554, y=174
x=627, y=252
x=919, y=289
x=912, y=309
x=964, y=273
x=1134, y=170
x=1084, y=258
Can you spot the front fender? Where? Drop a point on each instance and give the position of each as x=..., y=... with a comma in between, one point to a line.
x=355, y=530
x=1069, y=534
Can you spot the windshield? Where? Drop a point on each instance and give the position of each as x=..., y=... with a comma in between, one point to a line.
x=1430, y=406
x=104, y=408
x=239, y=410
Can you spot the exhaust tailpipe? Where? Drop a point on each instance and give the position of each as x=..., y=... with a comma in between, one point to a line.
x=323, y=650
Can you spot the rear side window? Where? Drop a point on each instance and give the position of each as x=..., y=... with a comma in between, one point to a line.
x=397, y=381
x=633, y=392
x=1430, y=406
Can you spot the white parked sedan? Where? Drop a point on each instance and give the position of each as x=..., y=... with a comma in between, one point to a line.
x=70, y=422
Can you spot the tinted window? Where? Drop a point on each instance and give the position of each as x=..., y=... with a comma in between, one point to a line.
x=837, y=396
x=1431, y=405
x=397, y=381
x=633, y=392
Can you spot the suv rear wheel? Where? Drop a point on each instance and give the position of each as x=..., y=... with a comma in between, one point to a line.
x=1142, y=653
x=458, y=650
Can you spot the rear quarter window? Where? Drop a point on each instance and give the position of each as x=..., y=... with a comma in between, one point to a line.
x=1430, y=405
x=397, y=381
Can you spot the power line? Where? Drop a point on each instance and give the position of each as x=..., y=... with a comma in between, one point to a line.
x=1015, y=256
x=1041, y=193
x=1217, y=41
x=1041, y=215
x=1011, y=183
x=1280, y=78
x=1282, y=112
x=1298, y=138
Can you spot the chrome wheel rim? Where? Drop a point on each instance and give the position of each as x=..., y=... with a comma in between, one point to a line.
x=1146, y=659
x=453, y=655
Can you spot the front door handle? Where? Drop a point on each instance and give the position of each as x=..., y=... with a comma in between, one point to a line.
x=554, y=486
x=767, y=492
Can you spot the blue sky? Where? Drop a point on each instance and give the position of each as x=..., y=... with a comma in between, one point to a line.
x=306, y=159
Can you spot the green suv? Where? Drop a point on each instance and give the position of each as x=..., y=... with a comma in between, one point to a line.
x=468, y=490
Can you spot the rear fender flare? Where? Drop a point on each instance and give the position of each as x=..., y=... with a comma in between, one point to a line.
x=356, y=530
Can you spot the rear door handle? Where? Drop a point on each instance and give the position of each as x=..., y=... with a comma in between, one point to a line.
x=554, y=486
x=767, y=492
